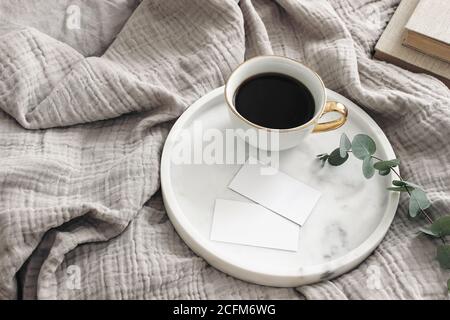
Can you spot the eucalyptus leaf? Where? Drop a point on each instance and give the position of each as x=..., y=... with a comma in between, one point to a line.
x=400, y=189
x=363, y=146
x=335, y=158
x=367, y=167
x=384, y=165
x=443, y=256
x=398, y=183
x=418, y=201
x=323, y=157
x=428, y=232
x=441, y=227
x=344, y=145
x=413, y=185
x=384, y=172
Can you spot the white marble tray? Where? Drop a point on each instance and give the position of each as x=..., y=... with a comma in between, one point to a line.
x=347, y=224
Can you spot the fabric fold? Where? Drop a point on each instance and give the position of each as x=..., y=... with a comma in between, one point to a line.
x=104, y=171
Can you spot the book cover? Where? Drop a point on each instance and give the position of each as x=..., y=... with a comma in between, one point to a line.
x=428, y=28
x=390, y=48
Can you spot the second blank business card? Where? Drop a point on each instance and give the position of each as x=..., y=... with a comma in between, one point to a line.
x=253, y=225
x=277, y=192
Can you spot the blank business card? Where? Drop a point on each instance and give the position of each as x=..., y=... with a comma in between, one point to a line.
x=253, y=225
x=277, y=192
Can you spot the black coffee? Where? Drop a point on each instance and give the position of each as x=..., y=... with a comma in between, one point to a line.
x=275, y=101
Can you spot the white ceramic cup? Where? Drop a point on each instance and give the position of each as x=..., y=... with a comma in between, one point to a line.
x=281, y=139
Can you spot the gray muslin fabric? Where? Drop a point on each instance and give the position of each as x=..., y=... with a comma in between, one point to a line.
x=83, y=122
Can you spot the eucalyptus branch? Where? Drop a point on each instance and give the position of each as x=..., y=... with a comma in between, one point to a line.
x=363, y=147
x=430, y=220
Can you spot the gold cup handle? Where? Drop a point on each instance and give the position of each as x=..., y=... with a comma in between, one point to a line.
x=332, y=106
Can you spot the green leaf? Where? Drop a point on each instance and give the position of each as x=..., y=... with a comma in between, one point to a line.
x=404, y=184
x=448, y=285
x=441, y=227
x=413, y=185
x=398, y=183
x=367, y=167
x=443, y=256
x=344, y=145
x=363, y=146
x=400, y=189
x=384, y=172
x=417, y=202
x=323, y=157
x=428, y=232
x=335, y=158
x=384, y=165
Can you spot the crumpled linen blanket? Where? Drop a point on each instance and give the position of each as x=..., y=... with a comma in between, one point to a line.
x=83, y=122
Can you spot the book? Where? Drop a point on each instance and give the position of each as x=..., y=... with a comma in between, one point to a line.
x=390, y=48
x=428, y=29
